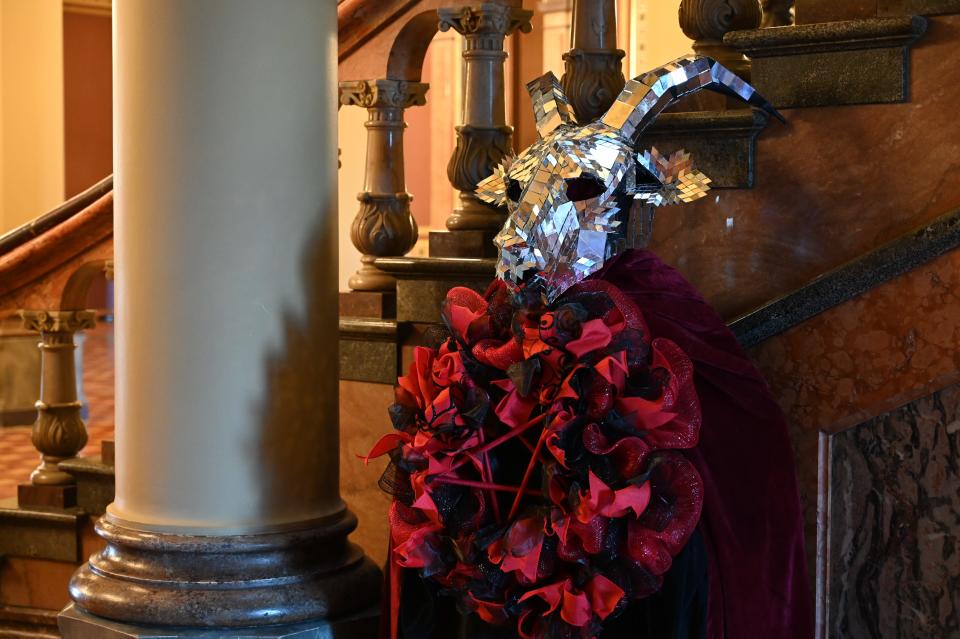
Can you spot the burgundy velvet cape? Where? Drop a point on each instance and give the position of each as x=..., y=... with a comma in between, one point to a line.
x=752, y=521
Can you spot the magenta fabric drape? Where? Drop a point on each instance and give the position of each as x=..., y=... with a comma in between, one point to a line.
x=752, y=520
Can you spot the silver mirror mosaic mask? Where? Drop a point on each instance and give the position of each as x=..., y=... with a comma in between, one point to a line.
x=570, y=195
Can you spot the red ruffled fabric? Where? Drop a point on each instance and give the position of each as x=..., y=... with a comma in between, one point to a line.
x=752, y=520
x=584, y=380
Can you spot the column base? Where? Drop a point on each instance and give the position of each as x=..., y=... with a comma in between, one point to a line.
x=370, y=278
x=77, y=624
x=156, y=579
x=474, y=215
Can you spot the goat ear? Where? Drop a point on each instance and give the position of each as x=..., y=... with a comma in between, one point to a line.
x=647, y=96
x=550, y=104
x=670, y=179
x=493, y=189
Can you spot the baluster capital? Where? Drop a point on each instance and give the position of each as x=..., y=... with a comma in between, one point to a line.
x=485, y=19
x=373, y=94
x=58, y=321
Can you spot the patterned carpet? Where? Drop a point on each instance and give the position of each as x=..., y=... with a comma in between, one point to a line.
x=18, y=457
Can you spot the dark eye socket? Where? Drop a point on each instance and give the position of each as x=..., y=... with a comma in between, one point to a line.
x=585, y=187
x=514, y=190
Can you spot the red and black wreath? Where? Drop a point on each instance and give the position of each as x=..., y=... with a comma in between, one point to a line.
x=535, y=466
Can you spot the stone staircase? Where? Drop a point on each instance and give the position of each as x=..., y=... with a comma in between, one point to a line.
x=41, y=546
x=812, y=222
x=836, y=69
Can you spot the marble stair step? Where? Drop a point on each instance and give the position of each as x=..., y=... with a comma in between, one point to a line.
x=28, y=623
x=95, y=483
x=37, y=533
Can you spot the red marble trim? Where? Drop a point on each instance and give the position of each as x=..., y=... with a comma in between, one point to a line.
x=76, y=236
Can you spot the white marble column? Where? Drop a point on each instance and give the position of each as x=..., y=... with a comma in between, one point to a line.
x=225, y=158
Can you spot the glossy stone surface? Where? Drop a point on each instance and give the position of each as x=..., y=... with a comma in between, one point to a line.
x=723, y=143
x=893, y=524
x=363, y=420
x=838, y=63
x=298, y=575
x=812, y=11
x=76, y=624
x=819, y=199
x=917, y=7
x=854, y=278
x=891, y=345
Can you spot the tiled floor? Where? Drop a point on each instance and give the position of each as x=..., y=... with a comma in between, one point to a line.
x=18, y=457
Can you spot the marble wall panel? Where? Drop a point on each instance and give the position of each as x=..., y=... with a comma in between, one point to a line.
x=363, y=420
x=810, y=11
x=877, y=351
x=831, y=184
x=893, y=524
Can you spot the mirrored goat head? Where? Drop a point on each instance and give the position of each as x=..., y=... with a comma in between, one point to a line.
x=569, y=194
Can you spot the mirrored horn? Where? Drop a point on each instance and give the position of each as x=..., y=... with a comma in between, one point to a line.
x=550, y=106
x=647, y=96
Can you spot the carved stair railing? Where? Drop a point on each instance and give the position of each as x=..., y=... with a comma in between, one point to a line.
x=808, y=65
x=47, y=267
x=386, y=79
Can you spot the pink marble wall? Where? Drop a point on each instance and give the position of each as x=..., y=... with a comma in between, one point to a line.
x=363, y=420
x=832, y=184
x=889, y=346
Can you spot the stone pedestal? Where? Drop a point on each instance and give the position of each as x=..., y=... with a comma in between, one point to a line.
x=372, y=304
x=31, y=496
x=152, y=578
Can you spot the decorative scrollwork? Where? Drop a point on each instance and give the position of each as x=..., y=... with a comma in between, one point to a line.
x=485, y=18
x=59, y=433
x=399, y=94
x=479, y=151
x=592, y=81
x=58, y=321
x=712, y=19
x=384, y=227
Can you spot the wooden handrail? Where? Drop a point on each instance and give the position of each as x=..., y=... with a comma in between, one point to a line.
x=360, y=20
x=26, y=232
x=60, y=248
